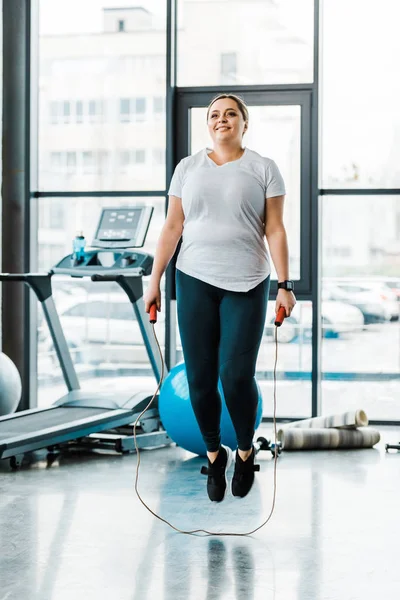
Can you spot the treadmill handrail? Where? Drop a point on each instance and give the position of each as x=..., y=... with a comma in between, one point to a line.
x=40, y=283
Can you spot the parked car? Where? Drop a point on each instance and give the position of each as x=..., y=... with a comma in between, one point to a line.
x=337, y=318
x=394, y=285
x=376, y=301
x=99, y=327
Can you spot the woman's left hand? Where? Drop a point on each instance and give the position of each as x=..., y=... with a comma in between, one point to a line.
x=286, y=299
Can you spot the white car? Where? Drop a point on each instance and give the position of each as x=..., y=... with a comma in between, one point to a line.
x=100, y=327
x=377, y=301
x=337, y=318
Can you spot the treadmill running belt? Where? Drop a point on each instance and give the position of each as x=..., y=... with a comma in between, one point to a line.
x=45, y=419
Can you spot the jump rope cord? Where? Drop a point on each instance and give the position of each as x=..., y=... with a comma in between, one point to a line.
x=196, y=532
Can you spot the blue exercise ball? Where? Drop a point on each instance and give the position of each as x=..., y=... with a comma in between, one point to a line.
x=178, y=418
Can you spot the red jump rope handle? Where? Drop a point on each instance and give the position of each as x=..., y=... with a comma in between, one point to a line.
x=153, y=313
x=280, y=316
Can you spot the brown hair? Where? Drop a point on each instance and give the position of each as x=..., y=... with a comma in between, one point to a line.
x=241, y=104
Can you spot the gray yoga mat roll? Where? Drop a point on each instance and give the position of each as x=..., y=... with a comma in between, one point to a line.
x=347, y=420
x=313, y=439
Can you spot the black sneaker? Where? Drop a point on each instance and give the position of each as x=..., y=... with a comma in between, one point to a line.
x=243, y=477
x=216, y=471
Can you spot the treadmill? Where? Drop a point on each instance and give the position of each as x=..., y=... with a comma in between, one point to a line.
x=92, y=419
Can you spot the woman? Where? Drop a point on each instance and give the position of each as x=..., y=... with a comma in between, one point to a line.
x=224, y=202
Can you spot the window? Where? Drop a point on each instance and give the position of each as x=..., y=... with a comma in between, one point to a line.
x=124, y=110
x=125, y=157
x=158, y=156
x=159, y=107
x=99, y=93
x=128, y=158
x=103, y=161
x=71, y=162
x=66, y=112
x=360, y=94
x=139, y=108
x=132, y=109
x=80, y=301
x=95, y=111
x=88, y=162
x=54, y=113
x=277, y=47
x=360, y=349
x=79, y=111
x=139, y=157
x=56, y=161
x=228, y=67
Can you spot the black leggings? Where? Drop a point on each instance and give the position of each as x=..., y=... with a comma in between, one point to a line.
x=221, y=333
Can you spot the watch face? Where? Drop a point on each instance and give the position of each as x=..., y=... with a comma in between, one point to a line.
x=287, y=285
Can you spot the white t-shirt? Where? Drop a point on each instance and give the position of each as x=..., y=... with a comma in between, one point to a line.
x=223, y=241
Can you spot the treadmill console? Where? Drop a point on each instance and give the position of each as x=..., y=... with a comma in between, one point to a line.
x=118, y=230
x=123, y=227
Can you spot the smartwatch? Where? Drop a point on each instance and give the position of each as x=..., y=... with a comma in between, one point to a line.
x=286, y=285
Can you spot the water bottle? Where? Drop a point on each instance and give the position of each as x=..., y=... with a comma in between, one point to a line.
x=78, y=248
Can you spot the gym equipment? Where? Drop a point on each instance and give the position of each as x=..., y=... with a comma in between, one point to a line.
x=392, y=447
x=347, y=420
x=321, y=439
x=10, y=385
x=78, y=417
x=178, y=417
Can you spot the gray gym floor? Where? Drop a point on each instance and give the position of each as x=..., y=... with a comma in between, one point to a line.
x=76, y=530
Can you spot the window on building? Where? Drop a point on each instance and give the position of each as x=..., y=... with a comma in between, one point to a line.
x=159, y=156
x=54, y=112
x=66, y=112
x=95, y=111
x=159, y=106
x=140, y=109
x=124, y=158
x=124, y=110
x=56, y=213
x=121, y=25
x=139, y=157
x=71, y=162
x=79, y=111
x=228, y=67
x=103, y=161
x=56, y=161
x=88, y=162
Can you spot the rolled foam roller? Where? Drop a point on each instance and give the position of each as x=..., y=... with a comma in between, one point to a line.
x=347, y=420
x=323, y=439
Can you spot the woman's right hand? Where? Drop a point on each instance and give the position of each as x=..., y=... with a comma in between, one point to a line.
x=152, y=296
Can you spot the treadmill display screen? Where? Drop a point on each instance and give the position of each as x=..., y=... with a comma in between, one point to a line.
x=118, y=225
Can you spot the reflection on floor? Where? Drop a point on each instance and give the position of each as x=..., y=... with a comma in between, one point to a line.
x=76, y=530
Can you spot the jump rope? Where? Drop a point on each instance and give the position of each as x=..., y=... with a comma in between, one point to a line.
x=195, y=532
